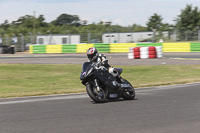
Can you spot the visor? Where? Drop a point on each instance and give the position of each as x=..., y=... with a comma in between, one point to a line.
x=90, y=56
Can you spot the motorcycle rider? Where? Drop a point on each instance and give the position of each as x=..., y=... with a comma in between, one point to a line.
x=94, y=56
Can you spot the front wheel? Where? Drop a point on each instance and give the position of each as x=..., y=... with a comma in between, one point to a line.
x=95, y=95
x=129, y=93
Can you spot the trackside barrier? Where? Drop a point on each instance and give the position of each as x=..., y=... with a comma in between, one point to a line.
x=195, y=47
x=82, y=48
x=68, y=48
x=53, y=49
x=102, y=47
x=176, y=47
x=159, y=51
x=145, y=52
x=7, y=50
x=115, y=48
x=148, y=44
x=121, y=47
x=37, y=49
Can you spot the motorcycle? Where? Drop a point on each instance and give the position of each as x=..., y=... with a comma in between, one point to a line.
x=101, y=86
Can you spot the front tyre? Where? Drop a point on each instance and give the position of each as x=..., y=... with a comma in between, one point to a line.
x=129, y=93
x=96, y=96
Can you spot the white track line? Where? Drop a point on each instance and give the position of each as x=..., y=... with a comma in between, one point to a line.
x=44, y=99
x=167, y=87
x=84, y=95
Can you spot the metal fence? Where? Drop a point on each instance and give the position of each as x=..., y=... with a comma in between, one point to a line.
x=91, y=37
x=21, y=43
x=186, y=35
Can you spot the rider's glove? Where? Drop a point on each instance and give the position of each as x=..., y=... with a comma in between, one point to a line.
x=114, y=70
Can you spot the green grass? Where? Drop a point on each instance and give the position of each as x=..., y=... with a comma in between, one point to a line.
x=17, y=80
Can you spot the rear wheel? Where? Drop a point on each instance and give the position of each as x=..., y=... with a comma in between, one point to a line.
x=95, y=95
x=129, y=93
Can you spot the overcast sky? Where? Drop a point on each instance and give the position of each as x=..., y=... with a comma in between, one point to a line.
x=122, y=12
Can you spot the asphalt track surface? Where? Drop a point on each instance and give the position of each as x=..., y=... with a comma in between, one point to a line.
x=114, y=59
x=165, y=109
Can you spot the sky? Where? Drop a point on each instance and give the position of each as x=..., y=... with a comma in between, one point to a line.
x=121, y=12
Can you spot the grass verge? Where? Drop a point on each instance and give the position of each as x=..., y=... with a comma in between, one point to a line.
x=17, y=80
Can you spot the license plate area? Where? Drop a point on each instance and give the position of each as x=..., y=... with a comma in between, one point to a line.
x=125, y=85
x=113, y=96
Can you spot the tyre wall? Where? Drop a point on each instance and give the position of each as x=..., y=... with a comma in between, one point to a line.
x=145, y=52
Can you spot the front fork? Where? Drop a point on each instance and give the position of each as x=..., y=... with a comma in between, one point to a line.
x=97, y=84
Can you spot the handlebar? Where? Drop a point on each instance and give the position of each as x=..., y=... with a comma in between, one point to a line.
x=97, y=64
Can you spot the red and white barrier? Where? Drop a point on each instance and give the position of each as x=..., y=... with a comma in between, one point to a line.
x=159, y=51
x=145, y=52
x=152, y=52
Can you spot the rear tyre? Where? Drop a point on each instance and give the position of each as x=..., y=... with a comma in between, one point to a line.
x=96, y=96
x=129, y=93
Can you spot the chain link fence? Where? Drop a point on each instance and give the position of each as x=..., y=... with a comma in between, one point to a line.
x=21, y=43
x=91, y=37
x=186, y=35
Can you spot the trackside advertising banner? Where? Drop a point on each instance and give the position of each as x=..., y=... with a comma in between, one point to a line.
x=114, y=47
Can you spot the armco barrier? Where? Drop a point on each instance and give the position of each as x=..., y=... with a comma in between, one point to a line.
x=113, y=47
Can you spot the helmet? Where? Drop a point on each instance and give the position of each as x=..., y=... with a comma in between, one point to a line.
x=92, y=54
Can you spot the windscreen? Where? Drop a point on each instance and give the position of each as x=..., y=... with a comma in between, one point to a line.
x=85, y=66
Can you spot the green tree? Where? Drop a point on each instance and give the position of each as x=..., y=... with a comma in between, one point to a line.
x=26, y=21
x=188, y=22
x=66, y=19
x=40, y=21
x=154, y=22
x=5, y=25
x=136, y=27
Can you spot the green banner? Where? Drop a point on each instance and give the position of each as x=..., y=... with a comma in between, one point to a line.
x=37, y=49
x=69, y=48
x=195, y=47
x=102, y=47
x=148, y=44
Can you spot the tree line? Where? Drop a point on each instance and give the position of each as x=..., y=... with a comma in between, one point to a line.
x=187, y=22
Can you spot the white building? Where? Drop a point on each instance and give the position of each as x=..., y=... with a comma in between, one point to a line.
x=58, y=39
x=128, y=37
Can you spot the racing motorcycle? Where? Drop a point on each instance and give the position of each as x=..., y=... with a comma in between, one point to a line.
x=101, y=86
